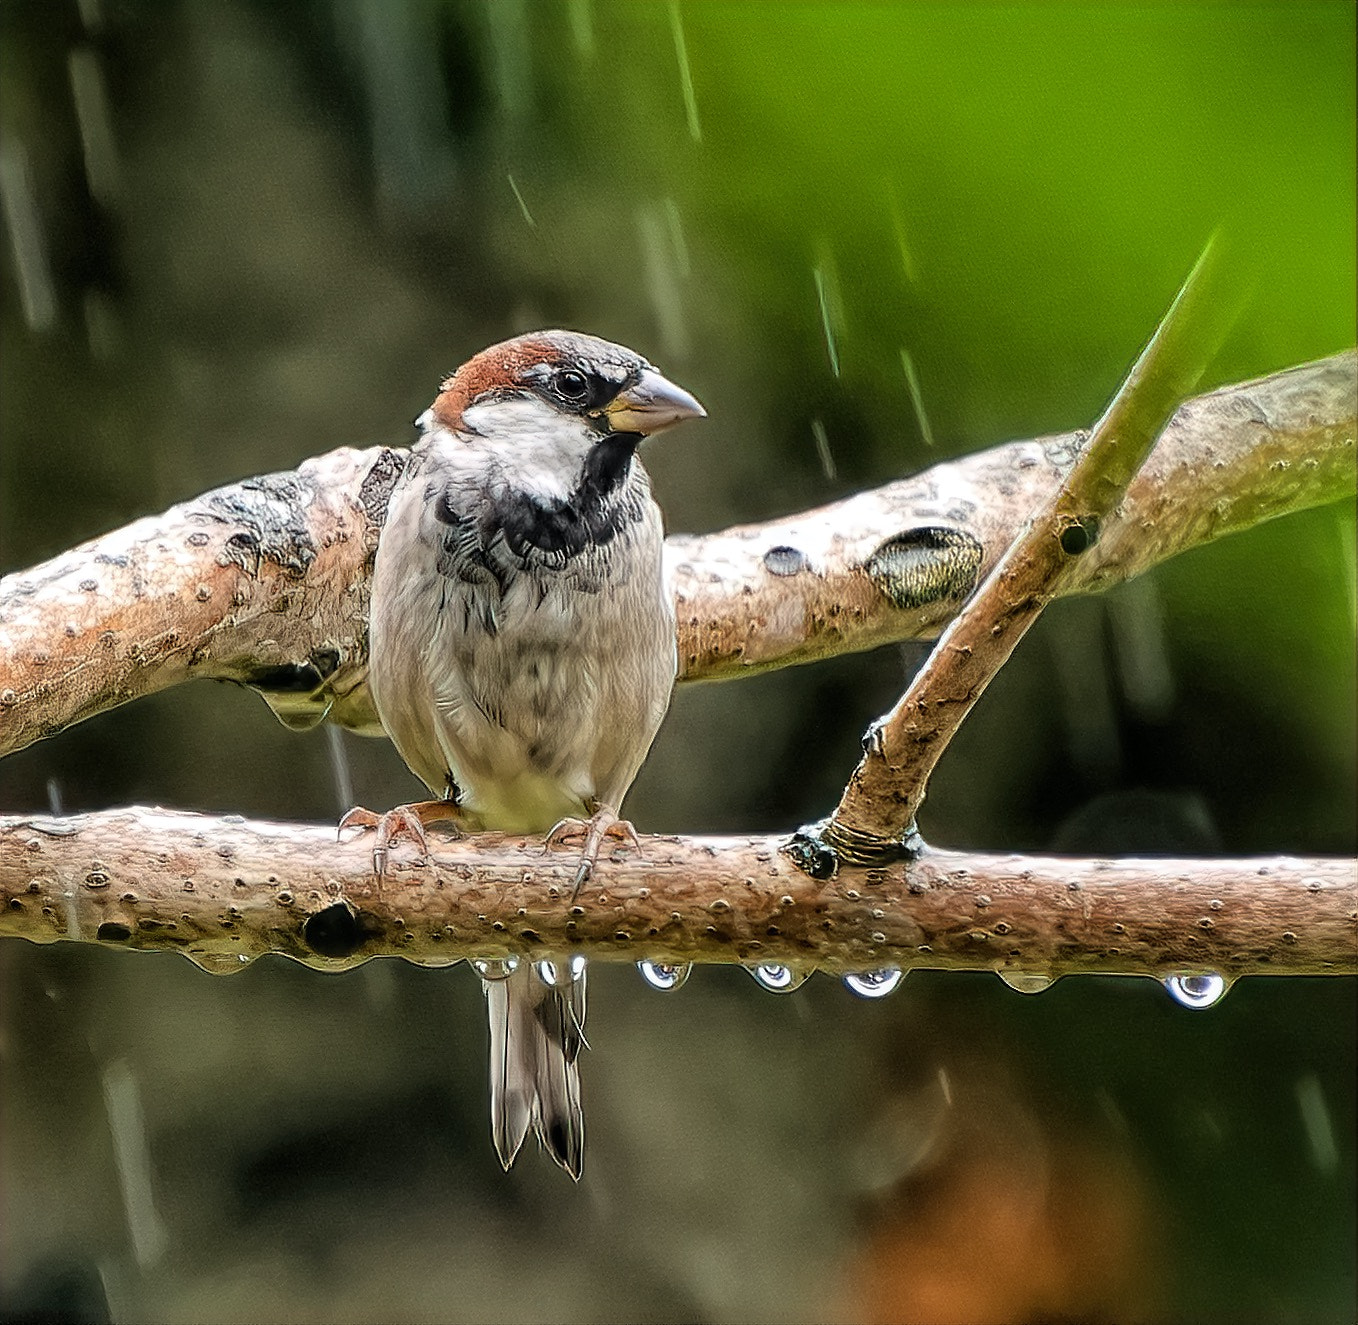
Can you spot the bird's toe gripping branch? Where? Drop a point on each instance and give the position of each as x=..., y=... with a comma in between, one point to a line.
x=404, y=821
x=602, y=823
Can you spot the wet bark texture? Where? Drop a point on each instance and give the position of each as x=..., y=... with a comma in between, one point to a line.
x=266, y=581
x=223, y=891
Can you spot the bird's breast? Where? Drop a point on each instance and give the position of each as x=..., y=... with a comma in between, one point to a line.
x=537, y=686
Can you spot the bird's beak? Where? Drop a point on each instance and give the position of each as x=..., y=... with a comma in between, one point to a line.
x=651, y=404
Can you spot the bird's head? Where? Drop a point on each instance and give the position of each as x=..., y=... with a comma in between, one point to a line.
x=547, y=379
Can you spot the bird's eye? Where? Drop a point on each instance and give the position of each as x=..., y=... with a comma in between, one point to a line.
x=572, y=385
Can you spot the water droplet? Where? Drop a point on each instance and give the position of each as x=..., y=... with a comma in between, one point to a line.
x=926, y=431
x=685, y=73
x=825, y=297
x=219, y=963
x=827, y=461
x=1196, y=991
x=523, y=206
x=1027, y=982
x=339, y=769
x=778, y=979
x=556, y=975
x=495, y=968
x=874, y=984
x=659, y=975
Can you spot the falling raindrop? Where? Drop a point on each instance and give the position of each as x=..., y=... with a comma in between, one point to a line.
x=37, y=295
x=778, y=979
x=1027, y=982
x=403, y=82
x=908, y=264
x=339, y=768
x=827, y=461
x=823, y=297
x=685, y=73
x=1315, y=1117
x=556, y=976
x=675, y=224
x=1196, y=991
x=132, y=1156
x=663, y=285
x=874, y=984
x=495, y=968
x=1348, y=565
x=582, y=27
x=1136, y=617
x=662, y=976
x=523, y=206
x=926, y=431
x=102, y=169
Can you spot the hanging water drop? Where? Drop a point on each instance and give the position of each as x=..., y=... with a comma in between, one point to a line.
x=219, y=963
x=874, y=984
x=495, y=968
x=1027, y=982
x=555, y=975
x=778, y=979
x=660, y=975
x=1196, y=991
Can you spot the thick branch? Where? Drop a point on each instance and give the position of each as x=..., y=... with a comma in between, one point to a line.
x=223, y=891
x=266, y=581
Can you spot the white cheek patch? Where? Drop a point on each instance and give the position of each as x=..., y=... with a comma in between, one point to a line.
x=536, y=449
x=511, y=420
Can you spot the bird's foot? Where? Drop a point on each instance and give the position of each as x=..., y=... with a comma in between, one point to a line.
x=601, y=824
x=405, y=821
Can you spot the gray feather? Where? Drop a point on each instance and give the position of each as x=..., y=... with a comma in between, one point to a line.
x=535, y=1040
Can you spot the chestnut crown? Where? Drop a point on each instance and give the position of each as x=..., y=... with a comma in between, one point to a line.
x=609, y=387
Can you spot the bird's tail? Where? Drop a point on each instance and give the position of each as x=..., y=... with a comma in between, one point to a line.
x=536, y=1034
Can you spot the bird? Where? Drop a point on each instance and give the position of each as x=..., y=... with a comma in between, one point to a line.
x=522, y=653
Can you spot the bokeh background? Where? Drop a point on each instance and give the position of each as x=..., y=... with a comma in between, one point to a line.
x=869, y=237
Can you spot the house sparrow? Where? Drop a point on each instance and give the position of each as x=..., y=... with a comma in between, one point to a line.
x=522, y=650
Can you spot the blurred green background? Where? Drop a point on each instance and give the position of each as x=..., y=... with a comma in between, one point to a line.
x=239, y=234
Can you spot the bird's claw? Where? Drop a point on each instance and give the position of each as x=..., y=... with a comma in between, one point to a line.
x=603, y=823
x=404, y=821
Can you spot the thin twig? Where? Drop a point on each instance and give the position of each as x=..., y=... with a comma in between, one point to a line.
x=879, y=805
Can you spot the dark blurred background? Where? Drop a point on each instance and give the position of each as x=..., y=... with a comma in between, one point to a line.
x=869, y=238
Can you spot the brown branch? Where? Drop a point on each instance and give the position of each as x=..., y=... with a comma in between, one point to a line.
x=266, y=581
x=885, y=791
x=223, y=891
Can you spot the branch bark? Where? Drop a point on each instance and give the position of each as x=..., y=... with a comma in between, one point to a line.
x=223, y=891
x=879, y=805
x=265, y=582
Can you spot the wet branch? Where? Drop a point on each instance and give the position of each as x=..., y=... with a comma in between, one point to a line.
x=223, y=891
x=265, y=582
x=885, y=791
